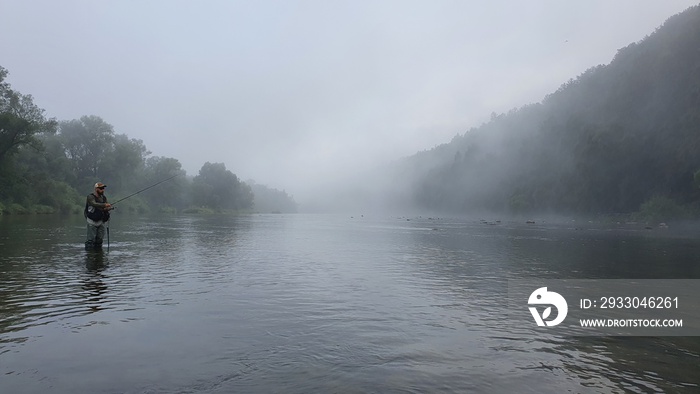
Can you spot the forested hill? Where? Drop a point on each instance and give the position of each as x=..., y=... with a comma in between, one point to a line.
x=619, y=137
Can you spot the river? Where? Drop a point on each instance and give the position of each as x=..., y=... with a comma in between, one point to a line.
x=321, y=304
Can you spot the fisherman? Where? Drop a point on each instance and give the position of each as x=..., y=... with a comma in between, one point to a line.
x=97, y=215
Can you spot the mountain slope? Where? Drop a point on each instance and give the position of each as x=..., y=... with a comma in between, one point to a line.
x=606, y=142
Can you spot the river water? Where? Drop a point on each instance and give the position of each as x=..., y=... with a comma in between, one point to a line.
x=321, y=304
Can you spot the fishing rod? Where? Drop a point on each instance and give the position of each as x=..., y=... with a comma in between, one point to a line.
x=129, y=196
x=144, y=189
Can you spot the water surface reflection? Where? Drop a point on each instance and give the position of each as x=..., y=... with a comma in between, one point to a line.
x=319, y=303
x=94, y=280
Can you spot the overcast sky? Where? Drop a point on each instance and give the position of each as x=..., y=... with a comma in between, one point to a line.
x=295, y=93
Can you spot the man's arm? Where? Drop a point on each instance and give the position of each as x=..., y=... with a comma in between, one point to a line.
x=101, y=205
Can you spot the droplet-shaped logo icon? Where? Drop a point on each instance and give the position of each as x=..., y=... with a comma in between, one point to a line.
x=543, y=297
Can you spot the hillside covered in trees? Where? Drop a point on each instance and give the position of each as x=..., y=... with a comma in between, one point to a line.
x=49, y=166
x=620, y=138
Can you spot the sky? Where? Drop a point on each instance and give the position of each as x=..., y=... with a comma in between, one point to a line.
x=300, y=95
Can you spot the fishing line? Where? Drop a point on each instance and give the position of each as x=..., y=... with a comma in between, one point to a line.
x=131, y=195
x=144, y=189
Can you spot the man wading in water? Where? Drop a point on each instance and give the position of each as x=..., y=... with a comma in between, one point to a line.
x=97, y=214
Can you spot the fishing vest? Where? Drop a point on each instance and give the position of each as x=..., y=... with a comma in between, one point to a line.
x=93, y=213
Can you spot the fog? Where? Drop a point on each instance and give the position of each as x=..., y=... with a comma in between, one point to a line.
x=306, y=95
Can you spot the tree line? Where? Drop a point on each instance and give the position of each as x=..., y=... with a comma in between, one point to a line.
x=49, y=166
x=622, y=138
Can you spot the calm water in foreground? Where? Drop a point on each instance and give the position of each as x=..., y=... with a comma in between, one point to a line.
x=320, y=304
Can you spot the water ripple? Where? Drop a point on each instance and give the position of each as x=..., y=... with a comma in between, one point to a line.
x=296, y=304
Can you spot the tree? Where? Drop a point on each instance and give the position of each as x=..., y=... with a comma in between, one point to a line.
x=20, y=119
x=271, y=200
x=218, y=188
x=86, y=141
x=171, y=193
x=124, y=161
x=603, y=143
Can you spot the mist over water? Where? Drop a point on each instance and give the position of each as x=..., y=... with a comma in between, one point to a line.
x=554, y=141
x=300, y=94
x=319, y=303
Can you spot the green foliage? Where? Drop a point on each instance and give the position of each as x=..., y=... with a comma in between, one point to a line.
x=24, y=209
x=46, y=172
x=43, y=209
x=269, y=200
x=16, y=209
x=171, y=194
x=167, y=210
x=136, y=204
x=603, y=143
x=661, y=209
x=21, y=121
x=198, y=210
x=123, y=162
x=60, y=196
x=218, y=188
x=86, y=141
